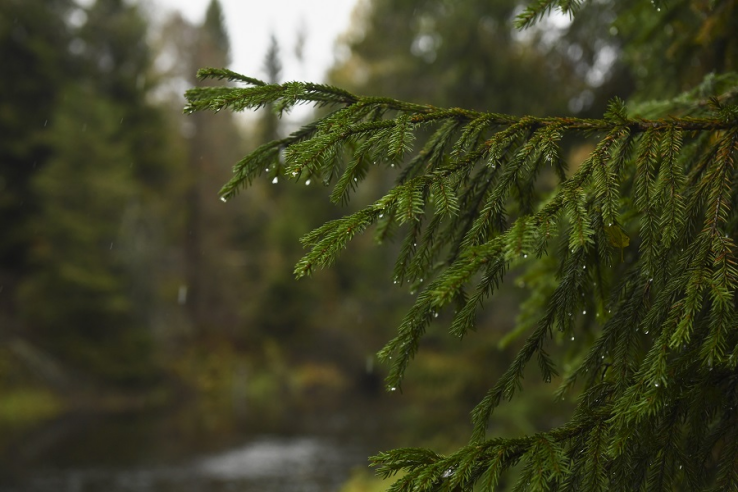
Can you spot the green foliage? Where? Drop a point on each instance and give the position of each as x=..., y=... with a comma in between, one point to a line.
x=657, y=383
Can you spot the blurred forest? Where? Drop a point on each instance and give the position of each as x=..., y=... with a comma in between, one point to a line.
x=126, y=284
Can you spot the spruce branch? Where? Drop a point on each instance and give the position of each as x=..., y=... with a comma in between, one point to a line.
x=646, y=265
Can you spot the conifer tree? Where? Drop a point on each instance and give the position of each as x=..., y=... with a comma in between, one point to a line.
x=629, y=257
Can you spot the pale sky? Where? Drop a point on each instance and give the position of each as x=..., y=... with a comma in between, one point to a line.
x=250, y=23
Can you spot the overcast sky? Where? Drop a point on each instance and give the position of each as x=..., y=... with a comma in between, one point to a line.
x=250, y=22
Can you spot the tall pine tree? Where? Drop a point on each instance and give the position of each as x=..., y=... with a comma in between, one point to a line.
x=629, y=257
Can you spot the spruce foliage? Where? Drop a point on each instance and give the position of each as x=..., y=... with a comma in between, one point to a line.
x=639, y=241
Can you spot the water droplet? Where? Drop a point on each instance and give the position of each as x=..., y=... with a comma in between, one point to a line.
x=421, y=280
x=569, y=314
x=355, y=180
x=435, y=314
x=572, y=338
x=111, y=245
x=266, y=170
x=222, y=199
x=656, y=384
x=415, y=244
x=381, y=215
x=646, y=332
x=525, y=256
x=275, y=180
x=307, y=182
x=680, y=467
x=584, y=312
x=650, y=280
x=609, y=224
x=393, y=388
x=584, y=267
x=294, y=173
x=603, y=357
x=392, y=165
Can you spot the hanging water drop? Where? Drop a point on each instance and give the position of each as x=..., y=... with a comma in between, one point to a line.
x=223, y=199
x=307, y=182
x=275, y=180
x=381, y=215
x=584, y=267
x=393, y=389
x=584, y=312
x=525, y=256
x=572, y=338
x=435, y=314
x=656, y=384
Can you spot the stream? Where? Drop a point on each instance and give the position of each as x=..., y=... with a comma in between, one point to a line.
x=293, y=450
